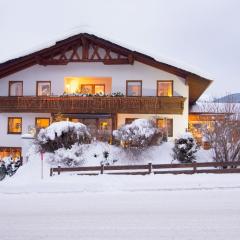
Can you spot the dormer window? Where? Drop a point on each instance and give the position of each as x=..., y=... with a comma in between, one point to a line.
x=15, y=88
x=134, y=88
x=165, y=88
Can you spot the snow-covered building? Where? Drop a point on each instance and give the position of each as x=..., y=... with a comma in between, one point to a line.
x=88, y=79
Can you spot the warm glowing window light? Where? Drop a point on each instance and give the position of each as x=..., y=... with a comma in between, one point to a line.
x=88, y=85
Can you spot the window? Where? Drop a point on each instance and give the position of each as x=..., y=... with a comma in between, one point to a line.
x=165, y=88
x=167, y=125
x=87, y=89
x=42, y=122
x=14, y=152
x=134, y=88
x=93, y=88
x=100, y=89
x=129, y=120
x=14, y=125
x=43, y=88
x=15, y=88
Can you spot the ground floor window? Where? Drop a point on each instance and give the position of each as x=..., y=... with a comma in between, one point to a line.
x=100, y=128
x=14, y=125
x=129, y=120
x=14, y=152
x=42, y=122
x=167, y=125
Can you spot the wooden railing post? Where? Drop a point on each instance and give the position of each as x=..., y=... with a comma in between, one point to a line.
x=51, y=172
x=59, y=170
x=102, y=168
x=149, y=168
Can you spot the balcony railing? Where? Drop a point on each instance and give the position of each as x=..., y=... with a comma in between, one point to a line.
x=77, y=104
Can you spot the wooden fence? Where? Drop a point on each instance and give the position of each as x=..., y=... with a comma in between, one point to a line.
x=187, y=168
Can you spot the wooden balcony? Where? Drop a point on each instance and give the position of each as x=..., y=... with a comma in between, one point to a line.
x=76, y=104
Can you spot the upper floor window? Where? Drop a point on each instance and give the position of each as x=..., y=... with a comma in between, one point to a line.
x=167, y=125
x=93, y=88
x=42, y=122
x=134, y=88
x=43, y=88
x=14, y=125
x=99, y=88
x=15, y=88
x=165, y=88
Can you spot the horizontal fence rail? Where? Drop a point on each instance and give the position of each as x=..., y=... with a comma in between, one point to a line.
x=186, y=168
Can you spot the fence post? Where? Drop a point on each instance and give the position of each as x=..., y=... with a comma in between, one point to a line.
x=149, y=168
x=102, y=168
x=194, y=167
x=59, y=170
x=51, y=172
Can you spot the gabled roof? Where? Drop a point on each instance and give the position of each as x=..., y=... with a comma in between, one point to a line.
x=197, y=84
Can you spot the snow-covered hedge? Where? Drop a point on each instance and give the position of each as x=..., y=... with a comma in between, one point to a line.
x=62, y=134
x=140, y=134
x=185, y=148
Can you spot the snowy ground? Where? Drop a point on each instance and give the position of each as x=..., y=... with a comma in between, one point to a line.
x=122, y=207
x=69, y=206
x=203, y=206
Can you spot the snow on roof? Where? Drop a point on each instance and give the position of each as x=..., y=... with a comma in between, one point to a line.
x=89, y=30
x=215, y=107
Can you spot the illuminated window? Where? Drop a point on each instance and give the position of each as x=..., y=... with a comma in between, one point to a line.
x=134, y=88
x=15, y=88
x=93, y=88
x=43, y=88
x=42, y=122
x=100, y=89
x=14, y=125
x=166, y=125
x=87, y=89
x=165, y=88
x=14, y=152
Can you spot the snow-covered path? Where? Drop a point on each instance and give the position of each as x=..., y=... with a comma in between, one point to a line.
x=176, y=214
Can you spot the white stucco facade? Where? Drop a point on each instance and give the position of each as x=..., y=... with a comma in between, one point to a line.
x=118, y=73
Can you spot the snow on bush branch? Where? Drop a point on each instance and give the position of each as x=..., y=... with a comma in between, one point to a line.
x=185, y=148
x=140, y=134
x=62, y=134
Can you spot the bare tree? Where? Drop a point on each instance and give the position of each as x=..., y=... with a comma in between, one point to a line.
x=224, y=131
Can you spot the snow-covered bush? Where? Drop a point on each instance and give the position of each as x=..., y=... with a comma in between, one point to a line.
x=140, y=134
x=62, y=135
x=185, y=148
x=71, y=157
x=9, y=166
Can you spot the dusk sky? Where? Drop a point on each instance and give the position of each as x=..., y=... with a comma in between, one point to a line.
x=204, y=34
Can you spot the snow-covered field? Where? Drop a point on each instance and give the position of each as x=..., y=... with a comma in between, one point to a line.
x=203, y=206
